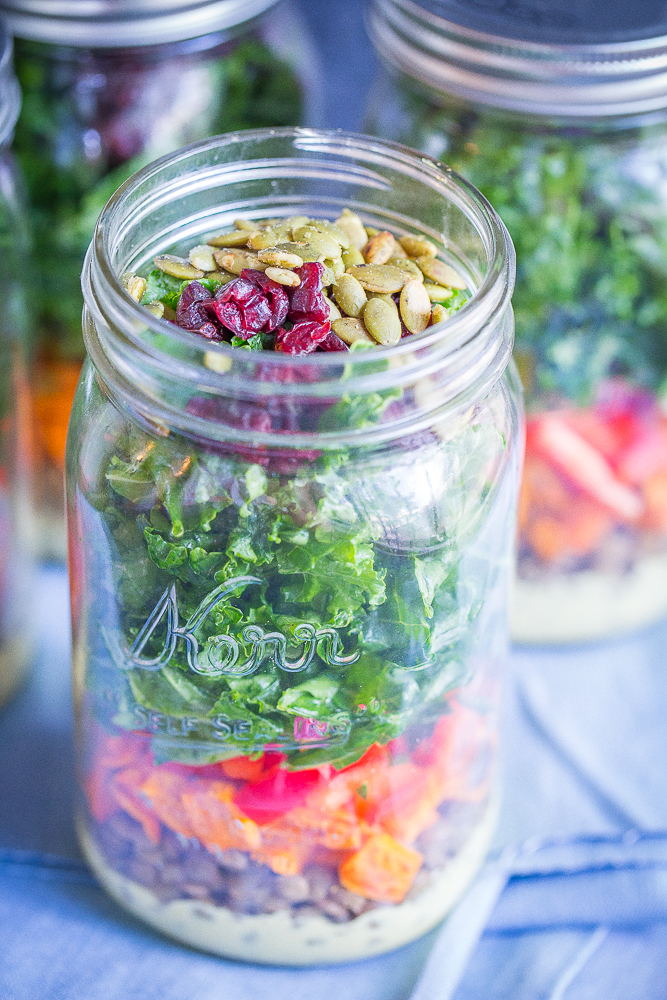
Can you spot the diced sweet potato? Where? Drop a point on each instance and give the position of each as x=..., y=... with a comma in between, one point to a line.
x=283, y=850
x=124, y=787
x=410, y=806
x=654, y=492
x=216, y=820
x=337, y=830
x=382, y=870
x=164, y=791
x=101, y=802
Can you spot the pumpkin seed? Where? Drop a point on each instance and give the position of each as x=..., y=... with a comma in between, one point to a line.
x=352, y=257
x=437, y=293
x=438, y=314
x=382, y=321
x=380, y=248
x=217, y=362
x=371, y=231
x=155, y=308
x=202, y=257
x=349, y=294
x=293, y=222
x=169, y=313
x=379, y=277
x=239, y=238
x=352, y=225
x=415, y=306
x=302, y=250
x=177, y=267
x=336, y=266
x=418, y=246
x=400, y=252
x=280, y=258
x=237, y=260
x=265, y=239
x=409, y=266
x=318, y=241
x=334, y=311
x=351, y=330
x=381, y=295
x=134, y=286
x=440, y=273
x=283, y=276
x=334, y=231
x=248, y=225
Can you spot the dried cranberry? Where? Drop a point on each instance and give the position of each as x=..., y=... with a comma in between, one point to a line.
x=192, y=312
x=307, y=301
x=303, y=338
x=250, y=304
x=332, y=342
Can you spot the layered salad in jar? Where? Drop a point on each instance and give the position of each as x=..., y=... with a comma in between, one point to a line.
x=586, y=207
x=90, y=118
x=289, y=720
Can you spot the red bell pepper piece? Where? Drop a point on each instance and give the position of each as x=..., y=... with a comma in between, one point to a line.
x=266, y=800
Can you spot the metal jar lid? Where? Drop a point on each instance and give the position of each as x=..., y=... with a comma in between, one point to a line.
x=561, y=76
x=125, y=23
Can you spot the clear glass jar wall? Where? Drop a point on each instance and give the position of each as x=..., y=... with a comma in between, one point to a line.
x=569, y=144
x=91, y=116
x=289, y=574
x=15, y=450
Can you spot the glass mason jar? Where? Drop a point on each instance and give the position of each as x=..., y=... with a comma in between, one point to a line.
x=15, y=445
x=103, y=94
x=289, y=574
x=569, y=142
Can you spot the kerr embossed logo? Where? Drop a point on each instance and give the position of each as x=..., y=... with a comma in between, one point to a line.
x=221, y=654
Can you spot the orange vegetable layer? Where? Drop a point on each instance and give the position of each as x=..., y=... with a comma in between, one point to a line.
x=382, y=870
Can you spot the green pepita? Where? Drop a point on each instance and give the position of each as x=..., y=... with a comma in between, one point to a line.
x=177, y=267
x=418, y=246
x=415, y=306
x=382, y=321
x=349, y=294
x=440, y=273
x=379, y=277
x=352, y=225
x=351, y=330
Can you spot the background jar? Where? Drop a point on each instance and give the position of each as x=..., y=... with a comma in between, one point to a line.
x=15, y=450
x=103, y=95
x=356, y=509
x=568, y=141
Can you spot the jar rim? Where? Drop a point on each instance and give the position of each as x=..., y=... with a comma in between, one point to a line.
x=123, y=338
x=590, y=81
x=10, y=92
x=102, y=24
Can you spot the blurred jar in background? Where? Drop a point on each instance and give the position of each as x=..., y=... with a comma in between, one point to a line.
x=103, y=94
x=568, y=140
x=15, y=445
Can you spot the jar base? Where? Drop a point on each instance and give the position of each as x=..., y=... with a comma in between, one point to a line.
x=589, y=605
x=283, y=939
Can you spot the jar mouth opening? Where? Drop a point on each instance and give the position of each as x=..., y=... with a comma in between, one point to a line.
x=325, y=170
x=103, y=24
x=562, y=79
